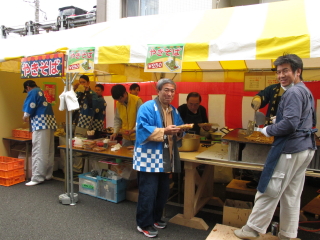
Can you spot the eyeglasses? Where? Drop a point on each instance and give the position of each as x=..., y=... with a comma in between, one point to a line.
x=283, y=71
x=167, y=90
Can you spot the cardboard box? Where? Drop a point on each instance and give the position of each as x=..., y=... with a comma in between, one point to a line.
x=238, y=190
x=132, y=194
x=236, y=213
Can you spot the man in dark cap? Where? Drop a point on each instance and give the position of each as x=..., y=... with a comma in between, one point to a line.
x=43, y=124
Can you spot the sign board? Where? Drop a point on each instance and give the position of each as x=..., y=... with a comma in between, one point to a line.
x=164, y=58
x=271, y=80
x=50, y=65
x=81, y=60
x=254, y=83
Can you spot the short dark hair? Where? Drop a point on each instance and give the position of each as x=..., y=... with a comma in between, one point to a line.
x=134, y=86
x=194, y=94
x=85, y=77
x=100, y=86
x=292, y=59
x=117, y=91
x=29, y=83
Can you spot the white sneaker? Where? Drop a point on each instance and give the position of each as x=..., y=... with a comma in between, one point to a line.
x=242, y=234
x=31, y=183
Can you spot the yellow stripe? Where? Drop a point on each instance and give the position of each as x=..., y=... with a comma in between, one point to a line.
x=197, y=47
x=234, y=65
x=285, y=31
x=118, y=78
x=191, y=76
x=196, y=52
x=114, y=54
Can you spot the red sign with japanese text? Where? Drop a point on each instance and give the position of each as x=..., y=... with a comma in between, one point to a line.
x=50, y=65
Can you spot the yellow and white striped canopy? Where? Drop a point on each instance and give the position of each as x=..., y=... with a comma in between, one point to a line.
x=237, y=38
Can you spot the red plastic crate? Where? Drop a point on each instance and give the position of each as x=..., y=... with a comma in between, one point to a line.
x=5, y=159
x=15, y=133
x=21, y=133
x=11, y=173
x=11, y=181
x=11, y=163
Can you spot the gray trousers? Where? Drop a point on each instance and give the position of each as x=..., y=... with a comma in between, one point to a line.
x=42, y=154
x=286, y=186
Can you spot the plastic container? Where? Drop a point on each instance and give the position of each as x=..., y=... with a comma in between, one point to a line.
x=112, y=190
x=11, y=173
x=11, y=181
x=88, y=184
x=7, y=163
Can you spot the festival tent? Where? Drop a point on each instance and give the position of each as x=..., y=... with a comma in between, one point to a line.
x=237, y=38
x=221, y=46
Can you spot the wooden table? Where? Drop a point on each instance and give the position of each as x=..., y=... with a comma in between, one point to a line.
x=194, y=199
x=13, y=141
x=123, y=152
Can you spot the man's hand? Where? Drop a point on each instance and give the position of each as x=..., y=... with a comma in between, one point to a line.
x=256, y=103
x=273, y=119
x=80, y=88
x=25, y=119
x=172, y=130
x=113, y=136
x=206, y=128
x=264, y=131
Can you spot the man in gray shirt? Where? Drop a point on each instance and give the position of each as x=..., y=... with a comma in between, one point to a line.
x=283, y=175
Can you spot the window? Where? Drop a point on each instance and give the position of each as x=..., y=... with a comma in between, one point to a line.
x=132, y=8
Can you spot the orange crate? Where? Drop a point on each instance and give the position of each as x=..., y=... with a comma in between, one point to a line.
x=15, y=133
x=11, y=173
x=11, y=181
x=5, y=159
x=25, y=134
x=14, y=163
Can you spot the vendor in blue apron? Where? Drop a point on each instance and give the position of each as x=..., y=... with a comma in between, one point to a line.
x=193, y=112
x=39, y=111
x=99, y=113
x=88, y=101
x=283, y=176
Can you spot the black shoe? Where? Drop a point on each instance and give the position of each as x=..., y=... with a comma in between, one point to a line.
x=148, y=231
x=160, y=224
x=252, y=184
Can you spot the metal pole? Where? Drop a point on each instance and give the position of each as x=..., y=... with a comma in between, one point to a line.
x=66, y=174
x=36, y=4
x=71, y=160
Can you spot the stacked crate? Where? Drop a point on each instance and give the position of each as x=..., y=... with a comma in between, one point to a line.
x=11, y=171
x=21, y=133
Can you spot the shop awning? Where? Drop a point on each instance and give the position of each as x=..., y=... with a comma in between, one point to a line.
x=237, y=38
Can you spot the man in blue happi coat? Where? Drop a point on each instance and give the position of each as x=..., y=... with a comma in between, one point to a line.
x=43, y=124
x=88, y=101
x=156, y=155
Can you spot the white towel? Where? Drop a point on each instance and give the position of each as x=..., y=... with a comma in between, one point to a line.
x=72, y=101
x=62, y=105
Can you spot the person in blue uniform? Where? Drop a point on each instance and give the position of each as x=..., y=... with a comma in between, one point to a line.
x=88, y=101
x=99, y=112
x=43, y=124
x=156, y=155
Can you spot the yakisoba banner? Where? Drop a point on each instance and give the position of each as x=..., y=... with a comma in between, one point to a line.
x=81, y=60
x=164, y=58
